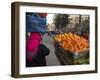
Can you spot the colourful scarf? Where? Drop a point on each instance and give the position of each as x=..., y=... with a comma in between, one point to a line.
x=32, y=45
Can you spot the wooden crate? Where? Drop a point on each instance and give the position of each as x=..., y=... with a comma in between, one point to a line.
x=70, y=58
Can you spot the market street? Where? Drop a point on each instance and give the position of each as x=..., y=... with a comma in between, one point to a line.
x=51, y=59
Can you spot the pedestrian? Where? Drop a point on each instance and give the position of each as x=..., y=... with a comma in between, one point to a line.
x=35, y=50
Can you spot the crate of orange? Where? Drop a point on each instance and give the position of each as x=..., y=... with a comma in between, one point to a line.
x=72, y=48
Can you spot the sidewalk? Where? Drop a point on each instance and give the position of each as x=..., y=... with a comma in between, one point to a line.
x=51, y=59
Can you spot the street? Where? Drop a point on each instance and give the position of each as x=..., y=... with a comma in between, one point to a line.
x=51, y=59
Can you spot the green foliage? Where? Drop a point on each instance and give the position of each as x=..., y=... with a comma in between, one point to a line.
x=61, y=20
x=86, y=25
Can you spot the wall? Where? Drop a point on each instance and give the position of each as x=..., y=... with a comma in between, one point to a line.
x=5, y=40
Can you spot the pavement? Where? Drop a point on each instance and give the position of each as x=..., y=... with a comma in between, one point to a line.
x=51, y=59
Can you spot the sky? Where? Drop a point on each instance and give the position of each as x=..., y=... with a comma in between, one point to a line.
x=50, y=18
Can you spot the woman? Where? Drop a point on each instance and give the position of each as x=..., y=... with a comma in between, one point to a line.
x=35, y=51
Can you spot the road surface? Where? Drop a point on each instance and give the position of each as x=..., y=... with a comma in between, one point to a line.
x=51, y=59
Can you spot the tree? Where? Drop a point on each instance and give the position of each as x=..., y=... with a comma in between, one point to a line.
x=61, y=20
x=86, y=25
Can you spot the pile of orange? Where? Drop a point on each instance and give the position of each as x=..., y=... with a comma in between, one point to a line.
x=72, y=42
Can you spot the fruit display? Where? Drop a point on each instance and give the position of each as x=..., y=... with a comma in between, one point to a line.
x=72, y=42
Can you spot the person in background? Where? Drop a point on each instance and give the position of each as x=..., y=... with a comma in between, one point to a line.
x=35, y=50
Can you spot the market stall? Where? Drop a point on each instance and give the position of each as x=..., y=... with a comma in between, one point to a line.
x=71, y=49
